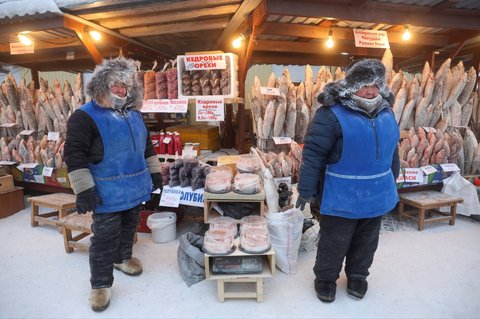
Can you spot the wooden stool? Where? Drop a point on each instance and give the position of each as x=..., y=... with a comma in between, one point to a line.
x=428, y=201
x=257, y=294
x=81, y=223
x=77, y=222
x=61, y=202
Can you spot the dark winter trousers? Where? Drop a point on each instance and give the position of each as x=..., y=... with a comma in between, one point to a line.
x=112, y=242
x=355, y=240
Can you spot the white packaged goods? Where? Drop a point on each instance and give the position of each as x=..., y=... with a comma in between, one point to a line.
x=246, y=183
x=203, y=75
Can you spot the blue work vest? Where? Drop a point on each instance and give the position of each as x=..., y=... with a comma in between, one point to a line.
x=122, y=178
x=361, y=183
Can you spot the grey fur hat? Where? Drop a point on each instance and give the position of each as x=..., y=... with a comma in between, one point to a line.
x=111, y=71
x=360, y=73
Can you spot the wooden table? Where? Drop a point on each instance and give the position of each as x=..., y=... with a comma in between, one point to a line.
x=428, y=201
x=78, y=222
x=61, y=202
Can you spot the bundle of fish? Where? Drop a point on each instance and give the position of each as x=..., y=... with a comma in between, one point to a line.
x=43, y=152
x=281, y=165
x=289, y=113
x=44, y=110
x=440, y=146
x=446, y=95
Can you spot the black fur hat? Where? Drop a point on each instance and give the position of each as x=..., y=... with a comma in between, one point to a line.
x=111, y=71
x=360, y=73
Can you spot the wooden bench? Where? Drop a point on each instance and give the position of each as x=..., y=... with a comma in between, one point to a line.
x=75, y=222
x=61, y=202
x=428, y=202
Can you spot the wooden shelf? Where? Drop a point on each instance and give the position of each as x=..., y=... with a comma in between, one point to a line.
x=209, y=200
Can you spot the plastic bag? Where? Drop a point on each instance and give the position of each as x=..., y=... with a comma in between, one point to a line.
x=458, y=186
x=285, y=235
x=191, y=258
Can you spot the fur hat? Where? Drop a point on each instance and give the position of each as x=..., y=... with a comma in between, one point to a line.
x=360, y=73
x=106, y=74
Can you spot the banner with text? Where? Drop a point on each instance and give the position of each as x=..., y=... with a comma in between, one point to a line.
x=371, y=38
x=210, y=109
x=205, y=62
x=165, y=106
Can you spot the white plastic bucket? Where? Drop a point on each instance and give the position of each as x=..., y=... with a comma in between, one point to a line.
x=163, y=226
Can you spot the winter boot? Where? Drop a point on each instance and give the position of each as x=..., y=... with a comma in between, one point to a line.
x=99, y=299
x=357, y=288
x=325, y=290
x=131, y=267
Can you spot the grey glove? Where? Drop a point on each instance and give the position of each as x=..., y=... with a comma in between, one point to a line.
x=301, y=202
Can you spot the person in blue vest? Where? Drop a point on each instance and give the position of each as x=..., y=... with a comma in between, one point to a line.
x=349, y=167
x=112, y=168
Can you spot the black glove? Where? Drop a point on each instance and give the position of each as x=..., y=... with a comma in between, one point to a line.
x=301, y=202
x=157, y=181
x=87, y=200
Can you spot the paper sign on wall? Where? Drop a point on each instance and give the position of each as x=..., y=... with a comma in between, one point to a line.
x=20, y=48
x=47, y=171
x=205, y=62
x=210, y=109
x=269, y=91
x=371, y=38
x=413, y=175
x=450, y=167
x=165, y=106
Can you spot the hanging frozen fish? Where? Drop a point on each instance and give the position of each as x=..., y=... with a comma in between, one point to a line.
x=447, y=87
x=55, y=106
x=436, y=114
x=396, y=83
x=11, y=93
x=268, y=119
x=425, y=74
x=67, y=94
x=339, y=74
x=407, y=110
x=430, y=88
x=387, y=61
x=457, y=89
x=308, y=85
x=467, y=110
x=399, y=104
x=286, y=74
x=280, y=115
x=291, y=117
x=421, y=117
x=469, y=85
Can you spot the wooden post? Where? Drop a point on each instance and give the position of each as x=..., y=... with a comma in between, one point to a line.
x=35, y=78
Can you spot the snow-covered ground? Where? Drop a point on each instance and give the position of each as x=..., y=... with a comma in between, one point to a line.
x=434, y=273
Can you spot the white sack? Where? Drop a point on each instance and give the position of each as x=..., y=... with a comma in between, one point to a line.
x=458, y=186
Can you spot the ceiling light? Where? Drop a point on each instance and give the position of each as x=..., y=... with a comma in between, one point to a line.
x=237, y=43
x=24, y=39
x=406, y=34
x=95, y=35
x=344, y=53
x=330, y=43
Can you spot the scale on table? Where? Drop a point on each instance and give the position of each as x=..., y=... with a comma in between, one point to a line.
x=237, y=265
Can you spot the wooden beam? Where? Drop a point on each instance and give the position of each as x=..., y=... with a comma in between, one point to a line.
x=35, y=25
x=442, y=5
x=316, y=32
x=76, y=65
x=374, y=13
x=157, y=7
x=118, y=39
x=457, y=49
x=319, y=47
x=40, y=45
x=35, y=78
x=174, y=28
x=81, y=32
x=53, y=57
x=238, y=18
x=176, y=16
x=298, y=59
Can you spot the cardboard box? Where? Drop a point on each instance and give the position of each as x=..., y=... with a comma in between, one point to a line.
x=206, y=135
x=6, y=183
x=12, y=202
x=59, y=178
x=410, y=177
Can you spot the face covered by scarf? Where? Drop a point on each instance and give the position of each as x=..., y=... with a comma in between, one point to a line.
x=368, y=105
x=119, y=95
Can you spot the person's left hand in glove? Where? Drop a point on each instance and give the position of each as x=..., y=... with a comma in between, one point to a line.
x=157, y=181
x=301, y=202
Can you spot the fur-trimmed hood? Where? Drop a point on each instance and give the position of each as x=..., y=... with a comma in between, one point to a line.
x=106, y=74
x=360, y=73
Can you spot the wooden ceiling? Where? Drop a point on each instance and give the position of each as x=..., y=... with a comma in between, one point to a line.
x=278, y=31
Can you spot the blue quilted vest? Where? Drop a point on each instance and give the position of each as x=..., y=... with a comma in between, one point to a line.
x=122, y=178
x=361, y=183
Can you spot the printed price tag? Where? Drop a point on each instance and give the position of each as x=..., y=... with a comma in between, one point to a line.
x=282, y=140
x=450, y=167
x=62, y=179
x=53, y=136
x=26, y=132
x=179, y=105
x=167, y=140
x=171, y=197
x=7, y=163
x=429, y=169
x=157, y=191
x=413, y=175
x=210, y=109
x=8, y=124
x=269, y=91
x=38, y=179
x=47, y=171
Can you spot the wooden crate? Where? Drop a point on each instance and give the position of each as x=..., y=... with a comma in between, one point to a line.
x=268, y=259
x=6, y=183
x=206, y=135
x=11, y=202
